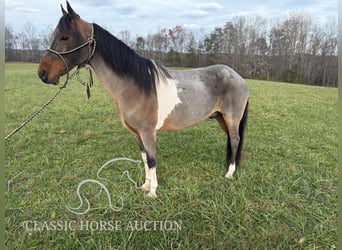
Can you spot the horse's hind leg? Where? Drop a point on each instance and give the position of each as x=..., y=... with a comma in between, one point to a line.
x=231, y=147
x=233, y=143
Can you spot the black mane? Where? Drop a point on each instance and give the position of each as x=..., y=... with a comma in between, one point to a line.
x=126, y=62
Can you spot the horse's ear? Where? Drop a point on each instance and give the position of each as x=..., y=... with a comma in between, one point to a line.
x=71, y=12
x=63, y=11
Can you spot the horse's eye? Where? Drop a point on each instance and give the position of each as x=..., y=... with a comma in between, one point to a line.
x=64, y=38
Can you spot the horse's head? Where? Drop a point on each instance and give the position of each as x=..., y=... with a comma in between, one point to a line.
x=71, y=46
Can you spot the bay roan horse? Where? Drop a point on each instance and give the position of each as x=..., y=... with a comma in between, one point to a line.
x=149, y=97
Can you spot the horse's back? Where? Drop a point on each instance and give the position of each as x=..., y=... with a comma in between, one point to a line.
x=219, y=80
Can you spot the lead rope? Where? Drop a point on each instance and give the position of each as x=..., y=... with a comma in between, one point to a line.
x=34, y=115
x=89, y=42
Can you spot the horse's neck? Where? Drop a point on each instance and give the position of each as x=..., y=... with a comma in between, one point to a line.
x=112, y=82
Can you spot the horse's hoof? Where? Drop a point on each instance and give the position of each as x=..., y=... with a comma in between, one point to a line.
x=229, y=176
x=152, y=195
x=145, y=187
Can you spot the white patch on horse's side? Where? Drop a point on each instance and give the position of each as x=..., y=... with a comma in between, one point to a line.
x=147, y=184
x=154, y=183
x=231, y=170
x=167, y=95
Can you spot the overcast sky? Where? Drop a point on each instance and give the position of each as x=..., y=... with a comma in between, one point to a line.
x=142, y=17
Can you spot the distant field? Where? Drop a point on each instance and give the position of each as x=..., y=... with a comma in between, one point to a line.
x=284, y=196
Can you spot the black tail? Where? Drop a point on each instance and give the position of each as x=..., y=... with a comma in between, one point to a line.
x=242, y=126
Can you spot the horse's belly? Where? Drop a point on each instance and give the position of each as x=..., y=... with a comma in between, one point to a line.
x=184, y=116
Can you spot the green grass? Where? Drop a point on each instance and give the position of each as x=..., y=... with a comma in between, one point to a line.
x=284, y=196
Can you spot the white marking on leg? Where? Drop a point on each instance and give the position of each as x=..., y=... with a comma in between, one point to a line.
x=167, y=95
x=154, y=183
x=231, y=170
x=147, y=184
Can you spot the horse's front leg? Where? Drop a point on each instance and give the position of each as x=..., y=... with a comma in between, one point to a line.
x=147, y=183
x=148, y=153
x=153, y=183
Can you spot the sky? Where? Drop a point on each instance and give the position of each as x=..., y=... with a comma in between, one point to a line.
x=149, y=16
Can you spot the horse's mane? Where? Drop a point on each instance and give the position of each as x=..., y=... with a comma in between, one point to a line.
x=126, y=62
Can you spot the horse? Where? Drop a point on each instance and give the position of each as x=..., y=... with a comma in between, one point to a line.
x=148, y=96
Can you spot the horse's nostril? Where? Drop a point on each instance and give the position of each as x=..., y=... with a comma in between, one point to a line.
x=43, y=74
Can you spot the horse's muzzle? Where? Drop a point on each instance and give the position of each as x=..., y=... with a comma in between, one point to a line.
x=44, y=76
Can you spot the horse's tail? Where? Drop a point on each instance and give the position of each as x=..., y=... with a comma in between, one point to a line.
x=242, y=126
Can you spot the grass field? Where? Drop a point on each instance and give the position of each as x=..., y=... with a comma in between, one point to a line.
x=284, y=196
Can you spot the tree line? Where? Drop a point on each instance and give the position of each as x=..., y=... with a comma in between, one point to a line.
x=297, y=48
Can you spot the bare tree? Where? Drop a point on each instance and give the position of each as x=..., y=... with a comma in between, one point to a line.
x=140, y=45
x=31, y=36
x=125, y=36
x=329, y=49
x=10, y=42
x=23, y=41
x=45, y=38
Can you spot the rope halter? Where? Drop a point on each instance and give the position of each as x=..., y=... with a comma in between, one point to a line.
x=91, y=52
x=89, y=42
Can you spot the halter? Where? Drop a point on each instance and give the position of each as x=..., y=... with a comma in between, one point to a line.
x=91, y=52
x=89, y=42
